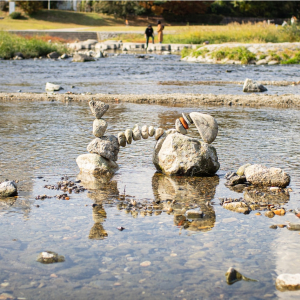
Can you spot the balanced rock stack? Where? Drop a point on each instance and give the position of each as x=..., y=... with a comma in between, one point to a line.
x=177, y=154
x=103, y=150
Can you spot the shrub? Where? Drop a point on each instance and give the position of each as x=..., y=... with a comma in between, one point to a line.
x=33, y=47
x=30, y=7
x=15, y=15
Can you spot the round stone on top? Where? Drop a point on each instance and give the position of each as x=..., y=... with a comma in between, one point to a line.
x=98, y=108
x=206, y=125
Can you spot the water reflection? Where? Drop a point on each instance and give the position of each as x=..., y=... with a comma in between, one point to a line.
x=180, y=194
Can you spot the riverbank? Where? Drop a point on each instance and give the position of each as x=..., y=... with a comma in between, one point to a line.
x=242, y=53
x=251, y=100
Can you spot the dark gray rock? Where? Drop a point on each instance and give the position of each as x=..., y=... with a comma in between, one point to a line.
x=107, y=147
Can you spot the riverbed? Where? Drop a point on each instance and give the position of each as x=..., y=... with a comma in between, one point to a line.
x=153, y=257
x=138, y=73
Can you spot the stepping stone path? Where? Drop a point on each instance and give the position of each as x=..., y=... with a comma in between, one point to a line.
x=104, y=149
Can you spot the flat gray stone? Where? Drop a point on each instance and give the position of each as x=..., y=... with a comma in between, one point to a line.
x=136, y=133
x=206, y=125
x=98, y=108
x=78, y=57
x=187, y=119
x=99, y=127
x=107, y=147
x=96, y=165
x=8, y=189
x=128, y=135
x=179, y=127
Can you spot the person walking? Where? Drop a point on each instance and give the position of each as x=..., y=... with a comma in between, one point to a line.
x=160, y=29
x=148, y=34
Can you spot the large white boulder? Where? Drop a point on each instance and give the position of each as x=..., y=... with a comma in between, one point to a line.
x=177, y=154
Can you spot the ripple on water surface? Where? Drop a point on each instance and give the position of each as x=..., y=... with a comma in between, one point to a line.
x=43, y=139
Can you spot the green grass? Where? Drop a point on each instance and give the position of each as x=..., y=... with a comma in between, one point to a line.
x=33, y=47
x=241, y=33
x=293, y=60
x=237, y=53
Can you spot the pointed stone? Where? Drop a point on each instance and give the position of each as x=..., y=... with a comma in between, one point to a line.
x=151, y=130
x=206, y=125
x=179, y=127
x=98, y=108
x=128, y=135
x=136, y=133
x=122, y=139
x=145, y=132
x=99, y=127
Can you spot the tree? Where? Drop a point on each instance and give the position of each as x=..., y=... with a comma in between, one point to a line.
x=30, y=7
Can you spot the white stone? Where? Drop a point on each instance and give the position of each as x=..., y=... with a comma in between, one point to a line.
x=179, y=127
x=51, y=87
x=290, y=282
x=253, y=87
x=96, y=164
x=158, y=133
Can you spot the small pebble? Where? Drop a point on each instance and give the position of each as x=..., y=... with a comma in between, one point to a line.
x=145, y=263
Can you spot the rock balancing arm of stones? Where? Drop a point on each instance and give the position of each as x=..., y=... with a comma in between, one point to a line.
x=104, y=149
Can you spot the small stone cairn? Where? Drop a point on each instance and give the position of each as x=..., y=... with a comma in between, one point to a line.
x=103, y=150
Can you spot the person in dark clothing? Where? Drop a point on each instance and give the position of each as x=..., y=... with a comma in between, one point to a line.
x=148, y=34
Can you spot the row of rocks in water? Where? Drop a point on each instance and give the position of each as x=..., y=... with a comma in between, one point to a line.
x=174, y=153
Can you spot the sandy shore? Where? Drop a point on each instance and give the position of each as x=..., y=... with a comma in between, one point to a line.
x=253, y=100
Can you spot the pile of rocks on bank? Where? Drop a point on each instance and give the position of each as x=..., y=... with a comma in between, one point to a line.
x=174, y=153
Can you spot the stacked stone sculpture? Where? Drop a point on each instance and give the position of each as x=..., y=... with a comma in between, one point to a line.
x=174, y=153
x=103, y=150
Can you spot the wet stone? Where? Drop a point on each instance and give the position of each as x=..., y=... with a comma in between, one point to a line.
x=269, y=214
x=194, y=214
x=49, y=257
x=122, y=139
x=288, y=282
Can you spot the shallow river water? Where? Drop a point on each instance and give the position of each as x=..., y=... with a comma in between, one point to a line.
x=39, y=142
x=128, y=74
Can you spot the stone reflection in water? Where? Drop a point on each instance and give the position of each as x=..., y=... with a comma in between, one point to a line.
x=182, y=194
x=101, y=190
x=15, y=204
